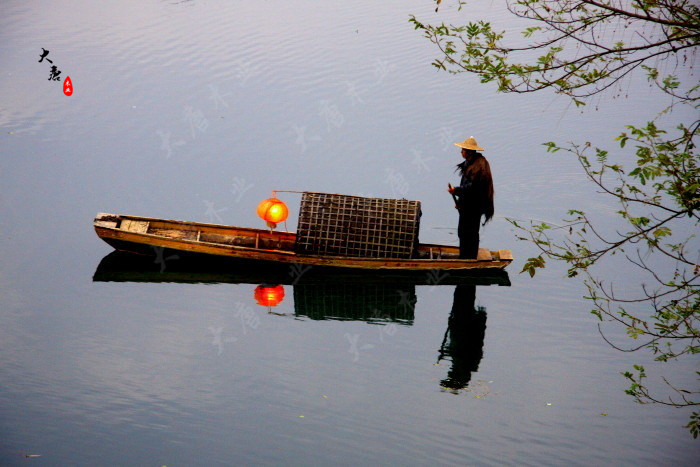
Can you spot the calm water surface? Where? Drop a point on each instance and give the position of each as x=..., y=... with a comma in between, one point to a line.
x=196, y=111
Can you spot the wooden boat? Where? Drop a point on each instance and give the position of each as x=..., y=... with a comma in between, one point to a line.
x=150, y=236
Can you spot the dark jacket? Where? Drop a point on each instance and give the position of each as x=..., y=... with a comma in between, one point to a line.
x=475, y=191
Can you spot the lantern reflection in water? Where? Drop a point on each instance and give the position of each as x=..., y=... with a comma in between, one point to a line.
x=269, y=295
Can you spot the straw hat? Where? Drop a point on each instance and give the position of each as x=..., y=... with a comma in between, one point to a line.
x=470, y=143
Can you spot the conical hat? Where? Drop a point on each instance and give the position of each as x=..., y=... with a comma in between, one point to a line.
x=470, y=143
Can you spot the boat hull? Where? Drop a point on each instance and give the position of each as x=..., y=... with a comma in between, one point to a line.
x=152, y=237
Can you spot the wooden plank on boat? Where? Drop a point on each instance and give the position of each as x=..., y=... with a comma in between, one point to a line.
x=180, y=233
x=505, y=255
x=134, y=226
x=483, y=255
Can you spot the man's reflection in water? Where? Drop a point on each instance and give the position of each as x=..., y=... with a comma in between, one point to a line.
x=464, y=338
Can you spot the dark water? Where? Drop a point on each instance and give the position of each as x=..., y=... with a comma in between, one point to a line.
x=196, y=111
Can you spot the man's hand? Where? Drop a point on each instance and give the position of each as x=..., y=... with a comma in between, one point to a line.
x=451, y=189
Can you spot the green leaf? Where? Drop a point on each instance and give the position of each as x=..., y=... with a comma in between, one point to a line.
x=532, y=264
x=662, y=231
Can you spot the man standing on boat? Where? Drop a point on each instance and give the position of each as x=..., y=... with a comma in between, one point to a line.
x=474, y=196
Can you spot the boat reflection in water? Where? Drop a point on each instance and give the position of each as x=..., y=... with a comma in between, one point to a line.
x=375, y=297
x=372, y=302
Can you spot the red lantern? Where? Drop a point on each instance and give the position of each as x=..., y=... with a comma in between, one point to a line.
x=273, y=211
x=269, y=295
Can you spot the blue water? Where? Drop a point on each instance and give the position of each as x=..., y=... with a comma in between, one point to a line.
x=197, y=111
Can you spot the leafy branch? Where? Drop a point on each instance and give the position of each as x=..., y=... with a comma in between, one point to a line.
x=585, y=46
x=580, y=48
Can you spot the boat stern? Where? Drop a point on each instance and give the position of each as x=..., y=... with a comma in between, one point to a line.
x=106, y=220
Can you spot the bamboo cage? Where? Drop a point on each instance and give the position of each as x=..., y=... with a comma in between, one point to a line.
x=343, y=225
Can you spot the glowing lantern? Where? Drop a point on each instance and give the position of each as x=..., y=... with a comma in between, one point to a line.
x=272, y=211
x=269, y=295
